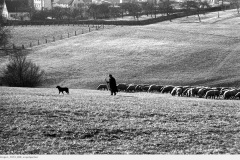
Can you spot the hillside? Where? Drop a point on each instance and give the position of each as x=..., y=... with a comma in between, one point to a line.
x=182, y=52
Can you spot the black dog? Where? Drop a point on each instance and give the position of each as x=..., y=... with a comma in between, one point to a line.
x=62, y=89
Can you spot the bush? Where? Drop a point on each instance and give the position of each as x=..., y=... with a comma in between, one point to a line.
x=20, y=72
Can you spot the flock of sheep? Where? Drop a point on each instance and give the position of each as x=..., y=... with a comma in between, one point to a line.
x=188, y=91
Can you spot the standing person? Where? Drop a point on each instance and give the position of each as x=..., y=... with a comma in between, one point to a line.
x=112, y=85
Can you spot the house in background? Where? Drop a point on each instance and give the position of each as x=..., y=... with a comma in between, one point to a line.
x=3, y=9
x=77, y=3
x=64, y=3
x=48, y=4
x=42, y=4
x=15, y=10
x=38, y=4
x=71, y=3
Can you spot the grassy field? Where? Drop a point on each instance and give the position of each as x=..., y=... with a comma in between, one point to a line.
x=178, y=52
x=24, y=35
x=182, y=52
x=40, y=121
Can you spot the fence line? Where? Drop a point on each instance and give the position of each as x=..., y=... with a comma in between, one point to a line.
x=96, y=23
x=54, y=38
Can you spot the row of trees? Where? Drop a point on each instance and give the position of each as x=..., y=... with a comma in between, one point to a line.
x=135, y=9
x=106, y=10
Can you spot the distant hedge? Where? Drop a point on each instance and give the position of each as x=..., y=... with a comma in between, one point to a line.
x=175, y=14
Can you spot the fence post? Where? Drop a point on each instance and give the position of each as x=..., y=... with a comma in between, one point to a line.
x=96, y=28
x=13, y=46
x=53, y=39
x=22, y=46
x=82, y=31
x=75, y=33
x=30, y=44
x=89, y=29
x=46, y=40
x=38, y=42
x=68, y=35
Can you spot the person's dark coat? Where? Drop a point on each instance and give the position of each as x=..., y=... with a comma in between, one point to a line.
x=112, y=84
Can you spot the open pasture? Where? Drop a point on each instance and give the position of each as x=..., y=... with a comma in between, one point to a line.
x=181, y=52
x=24, y=35
x=40, y=121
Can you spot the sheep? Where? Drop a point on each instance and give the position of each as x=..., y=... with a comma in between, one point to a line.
x=184, y=88
x=237, y=95
x=193, y=91
x=154, y=88
x=223, y=90
x=212, y=94
x=131, y=88
x=160, y=87
x=202, y=92
x=174, y=91
x=189, y=92
x=122, y=87
x=230, y=93
x=145, y=88
x=138, y=88
x=179, y=91
x=102, y=87
x=167, y=89
x=185, y=91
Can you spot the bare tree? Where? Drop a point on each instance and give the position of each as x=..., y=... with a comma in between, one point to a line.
x=196, y=6
x=20, y=72
x=166, y=7
x=236, y=3
x=77, y=12
x=132, y=8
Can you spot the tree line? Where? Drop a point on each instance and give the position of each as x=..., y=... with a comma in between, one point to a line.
x=135, y=9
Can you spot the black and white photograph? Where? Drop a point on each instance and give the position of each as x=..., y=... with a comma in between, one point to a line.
x=119, y=78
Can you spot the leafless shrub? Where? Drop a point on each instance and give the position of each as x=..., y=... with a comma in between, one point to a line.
x=21, y=72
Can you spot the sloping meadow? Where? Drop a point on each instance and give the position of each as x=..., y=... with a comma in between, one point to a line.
x=40, y=121
x=181, y=52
